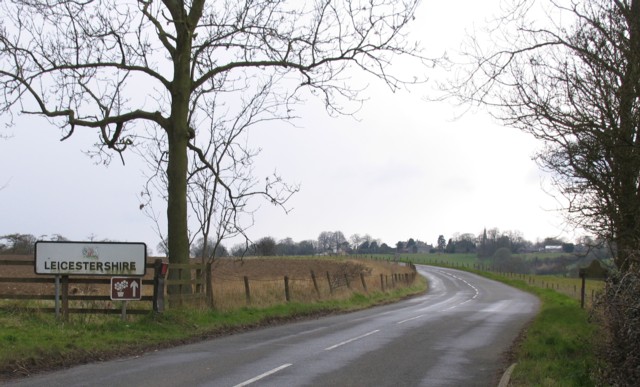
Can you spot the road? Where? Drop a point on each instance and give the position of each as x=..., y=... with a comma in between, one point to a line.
x=455, y=335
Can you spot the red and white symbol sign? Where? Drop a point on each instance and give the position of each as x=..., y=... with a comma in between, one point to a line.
x=126, y=288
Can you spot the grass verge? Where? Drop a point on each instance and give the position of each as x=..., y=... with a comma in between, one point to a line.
x=558, y=347
x=33, y=341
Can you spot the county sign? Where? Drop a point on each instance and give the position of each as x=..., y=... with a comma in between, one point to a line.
x=90, y=258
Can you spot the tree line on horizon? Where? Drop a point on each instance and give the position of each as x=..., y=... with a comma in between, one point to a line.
x=334, y=242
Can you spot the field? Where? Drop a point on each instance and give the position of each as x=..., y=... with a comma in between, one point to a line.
x=335, y=278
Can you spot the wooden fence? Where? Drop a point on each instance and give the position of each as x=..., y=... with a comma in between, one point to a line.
x=186, y=284
x=235, y=292
x=71, y=298
x=191, y=284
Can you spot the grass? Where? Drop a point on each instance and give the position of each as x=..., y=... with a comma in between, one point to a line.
x=31, y=341
x=558, y=348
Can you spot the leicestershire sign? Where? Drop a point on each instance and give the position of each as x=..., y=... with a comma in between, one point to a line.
x=126, y=288
x=90, y=258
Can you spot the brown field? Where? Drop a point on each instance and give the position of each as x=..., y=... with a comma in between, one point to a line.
x=265, y=277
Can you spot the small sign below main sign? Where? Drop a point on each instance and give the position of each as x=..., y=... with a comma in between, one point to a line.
x=126, y=288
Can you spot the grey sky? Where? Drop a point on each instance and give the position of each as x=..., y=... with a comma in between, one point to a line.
x=403, y=169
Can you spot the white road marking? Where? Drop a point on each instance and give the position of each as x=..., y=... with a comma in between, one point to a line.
x=477, y=292
x=262, y=376
x=409, y=319
x=351, y=340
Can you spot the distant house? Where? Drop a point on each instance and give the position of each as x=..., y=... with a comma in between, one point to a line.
x=423, y=248
x=553, y=248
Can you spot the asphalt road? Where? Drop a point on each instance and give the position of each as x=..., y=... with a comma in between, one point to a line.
x=455, y=335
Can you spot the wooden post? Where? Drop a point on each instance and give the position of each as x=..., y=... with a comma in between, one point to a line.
x=287, y=295
x=315, y=283
x=123, y=312
x=329, y=281
x=57, y=295
x=382, y=282
x=209, y=284
x=247, y=290
x=583, y=276
x=158, y=286
x=346, y=278
x=364, y=283
x=65, y=297
x=199, y=274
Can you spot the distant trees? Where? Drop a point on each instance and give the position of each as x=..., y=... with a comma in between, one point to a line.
x=208, y=251
x=441, y=243
x=465, y=243
x=306, y=247
x=504, y=261
x=17, y=244
x=493, y=239
x=23, y=244
x=264, y=247
x=332, y=242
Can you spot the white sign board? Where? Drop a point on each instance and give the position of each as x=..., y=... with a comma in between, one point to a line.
x=90, y=258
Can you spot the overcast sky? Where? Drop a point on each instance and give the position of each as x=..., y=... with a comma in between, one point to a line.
x=403, y=169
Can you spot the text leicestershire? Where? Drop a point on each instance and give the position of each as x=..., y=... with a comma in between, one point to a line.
x=69, y=266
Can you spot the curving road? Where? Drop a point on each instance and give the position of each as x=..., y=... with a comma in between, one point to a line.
x=455, y=335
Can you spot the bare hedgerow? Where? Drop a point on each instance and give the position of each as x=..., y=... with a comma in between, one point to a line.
x=618, y=311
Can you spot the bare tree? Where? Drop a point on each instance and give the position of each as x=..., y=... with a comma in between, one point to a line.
x=569, y=74
x=116, y=66
x=324, y=241
x=220, y=180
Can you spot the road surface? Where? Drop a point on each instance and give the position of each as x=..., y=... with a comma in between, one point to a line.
x=455, y=335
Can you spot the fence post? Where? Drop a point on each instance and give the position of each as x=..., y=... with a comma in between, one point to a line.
x=583, y=276
x=364, y=283
x=65, y=297
x=247, y=290
x=382, y=281
x=209, y=284
x=315, y=283
x=158, y=286
x=346, y=278
x=57, y=301
x=287, y=296
x=198, y=277
x=329, y=281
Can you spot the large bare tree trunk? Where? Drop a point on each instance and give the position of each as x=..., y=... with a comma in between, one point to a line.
x=178, y=137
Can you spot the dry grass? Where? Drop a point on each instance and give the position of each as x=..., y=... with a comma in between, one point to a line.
x=266, y=279
x=264, y=275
